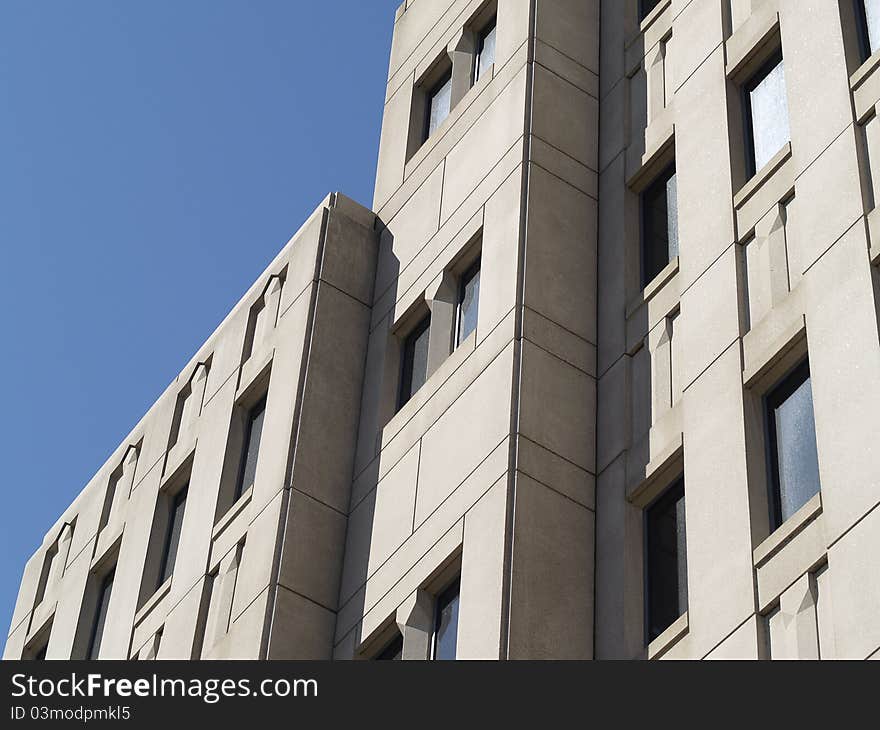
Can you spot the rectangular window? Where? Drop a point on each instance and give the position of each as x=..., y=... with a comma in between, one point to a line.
x=252, y=434
x=46, y=572
x=468, y=303
x=439, y=104
x=172, y=537
x=414, y=370
x=667, y=597
x=485, y=50
x=659, y=225
x=766, y=107
x=791, y=431
x=868, y=18
x=100, y=616
x=393, y=651
x=446, y=624
x=646, y=6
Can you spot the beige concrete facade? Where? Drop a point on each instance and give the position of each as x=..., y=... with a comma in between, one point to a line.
x=522, y=468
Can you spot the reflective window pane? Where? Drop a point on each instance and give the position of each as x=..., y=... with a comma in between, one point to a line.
x=768, y=113
x=468, y=303
x=253, y=433
x=667, y=561
x=439, y=104
x=485, y=51
x=446, y=627
x=415, y=361
x=100, y=617
x=794, y=456
x=872, y=23
x=175, y=523
x=659, y=225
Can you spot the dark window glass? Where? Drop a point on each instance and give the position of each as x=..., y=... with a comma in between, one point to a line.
x=485, y=50
x=868, y=16
x=172, y=540
x=468, y=303
x=766, y=114
x=252, y=433
x=646, y=6
x=446, y=624
x=659, y=225
x=51, y=553
x=40, y=654
x=392, y=652
x=415, y=361
x=794, y=460
x=100, y=616
x=667, y=561
x=439, y=104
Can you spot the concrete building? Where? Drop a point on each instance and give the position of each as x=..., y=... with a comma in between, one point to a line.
x=598, y=377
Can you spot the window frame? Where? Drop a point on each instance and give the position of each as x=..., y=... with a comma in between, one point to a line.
x=672, y=493
x=173, y=504
x=407, y=357
x=259, y=406
x=473, y=270
x=488, y=27
x=99, y=619
x=444, y=598
x=431, y=93
x=751, y=83
x=773, y=399
x=864, y=36
x=662, y=178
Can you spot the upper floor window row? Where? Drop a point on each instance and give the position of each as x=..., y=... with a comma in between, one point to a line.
x=453, y=76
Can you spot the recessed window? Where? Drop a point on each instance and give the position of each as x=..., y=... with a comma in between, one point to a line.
x=468, y=303
x=868, y=18
x=485, y=50
x=100, y=619
x=253, y=432
x=45, y=574
x=40, y=654
x=659, y=225
x=438, y=104
x=766, y=106
x=667, y=597
x=172, y=538
x=414, y=371
x=393, y=651
x=646, y=6
x=446, y=624
x=791, y=430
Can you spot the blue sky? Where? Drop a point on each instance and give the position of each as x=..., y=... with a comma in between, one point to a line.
x=154, y=157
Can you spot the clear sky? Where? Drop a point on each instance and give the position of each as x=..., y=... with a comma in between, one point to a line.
x=154, y=157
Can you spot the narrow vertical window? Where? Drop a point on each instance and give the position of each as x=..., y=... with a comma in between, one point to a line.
x=414, y=371
x=667, y=597
x=100, y=616
x=172, y=538
x=46, y=573
x=659, y=225
x=446, y=624
x=794, y=459
x=485, y=50
x=766, y=106
x=868, y=18
x=468, y=303
x=439, y=104
x=253, y=434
